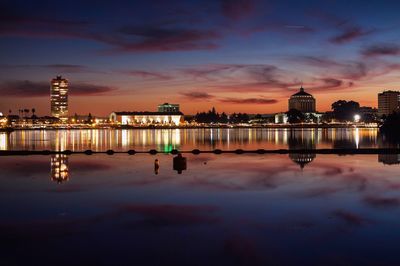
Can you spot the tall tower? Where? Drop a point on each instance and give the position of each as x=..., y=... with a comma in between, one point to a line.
x=59, y=98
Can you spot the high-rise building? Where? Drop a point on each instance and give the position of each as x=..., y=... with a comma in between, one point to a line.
x=302, y=101
x=388, y=101
x=59, y=98
x=168, y=107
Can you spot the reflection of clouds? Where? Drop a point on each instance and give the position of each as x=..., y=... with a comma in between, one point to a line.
x=133, y=215
x=382, y=201
x=350, y=218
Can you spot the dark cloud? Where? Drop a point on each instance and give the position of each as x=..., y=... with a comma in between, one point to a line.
x=248, y=100
x=381, y=50
x=28, y=88
x=60, y=68
x=330, y=83
x=197, y=95
x=350, y=34
x=237, y=9
x=158, y=38
x=148, y=74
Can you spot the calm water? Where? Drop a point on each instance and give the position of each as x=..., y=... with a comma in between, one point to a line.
x=188, y=139
x=221, y=210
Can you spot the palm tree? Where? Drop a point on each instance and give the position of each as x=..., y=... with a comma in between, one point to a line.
x=26, y=111
x=33, y=112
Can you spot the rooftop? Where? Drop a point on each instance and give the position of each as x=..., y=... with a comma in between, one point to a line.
x=301, y=93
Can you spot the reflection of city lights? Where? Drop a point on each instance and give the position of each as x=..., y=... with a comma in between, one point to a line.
x=357, y=137
x=3, y=141
x=59, y=171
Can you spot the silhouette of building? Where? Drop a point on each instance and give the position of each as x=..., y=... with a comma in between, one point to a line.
x=302, y=101
x=59, y=98
x=59, y=171
x=388, y=101
x=168, y=108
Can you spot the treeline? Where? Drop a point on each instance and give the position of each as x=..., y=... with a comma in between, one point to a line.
x=213, y=116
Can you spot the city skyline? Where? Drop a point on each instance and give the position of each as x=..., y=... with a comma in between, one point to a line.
x=237, y=56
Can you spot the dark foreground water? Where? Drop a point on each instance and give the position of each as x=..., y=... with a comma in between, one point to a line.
x=221, y=210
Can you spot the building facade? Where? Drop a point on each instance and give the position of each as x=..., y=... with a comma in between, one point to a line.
x=168, y=107
x=302, y=101
x=388, y=102
x=146, y=118
x=59, y=98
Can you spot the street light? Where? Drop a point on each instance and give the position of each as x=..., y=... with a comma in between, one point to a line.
x=357, y=118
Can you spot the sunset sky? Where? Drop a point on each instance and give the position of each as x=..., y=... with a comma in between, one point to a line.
x=239, y=56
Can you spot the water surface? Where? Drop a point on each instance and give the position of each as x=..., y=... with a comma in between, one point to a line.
x=221, y=210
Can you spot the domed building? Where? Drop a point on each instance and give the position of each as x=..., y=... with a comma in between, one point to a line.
x=302, y=101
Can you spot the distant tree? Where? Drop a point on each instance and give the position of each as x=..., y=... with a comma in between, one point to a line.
x=295, y=116
x=345, y=110
x=9, y=112
x=26, y=111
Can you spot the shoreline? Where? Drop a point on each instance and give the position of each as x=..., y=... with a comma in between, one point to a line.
x=316, y=126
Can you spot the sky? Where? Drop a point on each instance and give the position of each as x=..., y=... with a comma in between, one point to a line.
x=239, y=56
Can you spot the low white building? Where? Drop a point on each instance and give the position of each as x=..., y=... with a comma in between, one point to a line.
x=146, y=118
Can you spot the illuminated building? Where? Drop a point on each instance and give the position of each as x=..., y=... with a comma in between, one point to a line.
x=146, y=118
x=388, y=101
x=302, y=101
x=59, y=171
x=59, y=98
x=168, y=107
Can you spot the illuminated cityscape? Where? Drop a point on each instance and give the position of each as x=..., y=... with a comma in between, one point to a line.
x=212, y=132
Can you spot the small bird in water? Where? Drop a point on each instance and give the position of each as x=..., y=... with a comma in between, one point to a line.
x=156, y=166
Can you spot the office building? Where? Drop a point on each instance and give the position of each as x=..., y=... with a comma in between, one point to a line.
x=388, y=102
x=302, y=101
x=59, y=98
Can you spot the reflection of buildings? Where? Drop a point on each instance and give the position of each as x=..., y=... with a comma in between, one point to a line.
x=302, y=101
x=388, y=101
x=59, y=168
x=4, y=141
x=59, y=98
x=385, y=143
x=389, y=158
x=300, y=141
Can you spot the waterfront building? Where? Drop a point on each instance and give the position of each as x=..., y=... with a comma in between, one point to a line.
x=388, y=102
x=302, y=101
x=281, y=118
x=146, y=118
x=168, y=107
x=59, y=98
